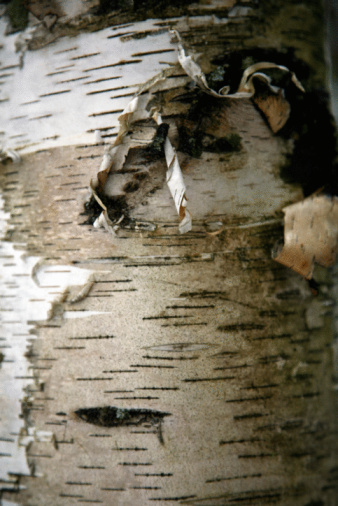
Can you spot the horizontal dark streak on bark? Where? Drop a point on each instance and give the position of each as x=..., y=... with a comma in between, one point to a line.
x=131, y=94
x=31, y=102
x=88, y=157
x=90, y=501
x=158, y=264
x=84, y=56
x=114, y=281
x=243, y=366
x=118, y=391
x=144, y=432
x=250, y=399
x=158, y=51
x=249, y=499
x=36, y=455
x=101, y=80
x=79, y=483
x=57, y=73
x=211, y=306
x=100, y=435
x=135, y=464
x=249, y=416
x=161, y=475
x=104, y=113
x=268, y=359
x=301, y=396
x=258, y=456
x=136, y=398
x=220, y=378
x=119, y=64
x=134, y=449
x=113, y=489
x=180, y=498
x=107, y=90
x=185, y=324
x=66, y=50
x=113, y=291
x=240, y=477
x=71, y=496
x=157, y=388
x=272, y=385
x=146, y=488
x=66, y=81
x=271, y=337
x=240, y=327
x=234, y=441
x=91, y=337
x=163, y=317
x=69, y=348
x=169, y=358
x=54, y=93
x=108, y=135
x=102, y=379
x=154, y=366
x=119, y=35
x=9, y=67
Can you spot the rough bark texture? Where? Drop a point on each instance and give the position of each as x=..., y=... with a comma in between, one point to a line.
x=192, y=369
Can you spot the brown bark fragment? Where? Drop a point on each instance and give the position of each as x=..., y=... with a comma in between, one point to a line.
x=310, y=235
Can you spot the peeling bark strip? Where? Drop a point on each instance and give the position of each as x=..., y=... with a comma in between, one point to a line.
x=129, y=328
x=114, y=160
x=272, y=103
x=176, y=184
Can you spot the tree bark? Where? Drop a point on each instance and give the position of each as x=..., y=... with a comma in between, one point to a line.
x=154, y=366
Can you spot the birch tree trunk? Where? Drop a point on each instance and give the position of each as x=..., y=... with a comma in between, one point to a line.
x=151, y=366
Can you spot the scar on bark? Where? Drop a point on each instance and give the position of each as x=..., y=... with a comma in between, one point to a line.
x=111, y=416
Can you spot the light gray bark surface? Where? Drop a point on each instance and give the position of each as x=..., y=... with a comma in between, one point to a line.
x=226, y=355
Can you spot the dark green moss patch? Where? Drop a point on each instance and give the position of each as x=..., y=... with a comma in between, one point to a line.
x=107, y=6
x=191, y=144
x=156, y=148
x=18, y=15
x=231, y=142
x=216, y=78
x=116, y=207
x=157, y=6
x=131, y=187
x=151, y=8
x=198, y=142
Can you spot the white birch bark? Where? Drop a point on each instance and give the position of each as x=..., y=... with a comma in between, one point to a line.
x=213, y=362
